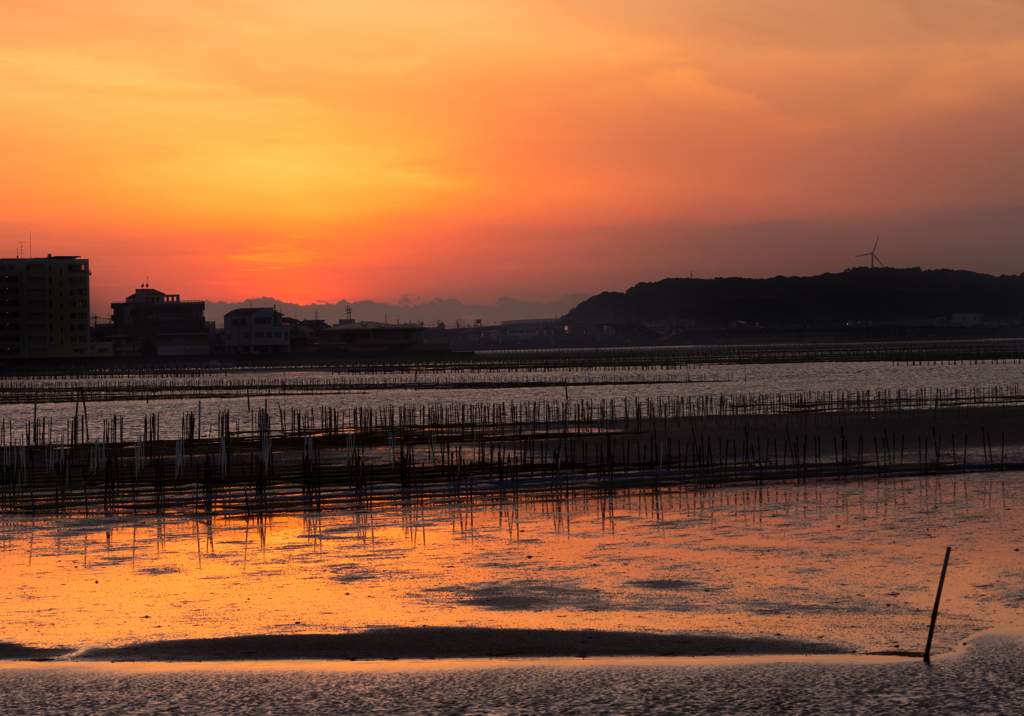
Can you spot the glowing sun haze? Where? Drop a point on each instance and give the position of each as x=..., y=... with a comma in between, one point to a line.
x=322, y=149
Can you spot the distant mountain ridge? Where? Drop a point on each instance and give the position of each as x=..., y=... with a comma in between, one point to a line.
x=856, y=295
x=446, y=310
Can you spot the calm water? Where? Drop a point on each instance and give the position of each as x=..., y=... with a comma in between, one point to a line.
x=774, y=378
x=983, y=679
x=851, y=563
x=848, y=563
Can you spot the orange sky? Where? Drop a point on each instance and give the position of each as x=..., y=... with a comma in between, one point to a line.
x=323, y=149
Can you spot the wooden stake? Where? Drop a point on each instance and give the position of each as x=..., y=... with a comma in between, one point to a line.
x=935, y=609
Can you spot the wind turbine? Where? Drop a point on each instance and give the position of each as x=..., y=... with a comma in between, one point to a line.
x=871, y=253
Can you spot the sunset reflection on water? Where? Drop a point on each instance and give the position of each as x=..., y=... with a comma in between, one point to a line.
x=853, y=563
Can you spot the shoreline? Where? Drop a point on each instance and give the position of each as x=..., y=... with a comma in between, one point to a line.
x=19, y=652
x=407, y=643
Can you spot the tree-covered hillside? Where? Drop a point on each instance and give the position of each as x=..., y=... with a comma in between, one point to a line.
x=856, y=295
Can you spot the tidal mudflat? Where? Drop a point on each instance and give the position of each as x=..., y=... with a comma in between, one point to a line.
x=844, y=565
x=981, y=677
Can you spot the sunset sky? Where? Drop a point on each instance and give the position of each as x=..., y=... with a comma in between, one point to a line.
x=325, y=149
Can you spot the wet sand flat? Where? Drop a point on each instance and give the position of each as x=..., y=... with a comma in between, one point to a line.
x=981, y=677
x=847, y=563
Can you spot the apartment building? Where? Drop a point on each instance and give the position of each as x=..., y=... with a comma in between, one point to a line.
x=44, y=308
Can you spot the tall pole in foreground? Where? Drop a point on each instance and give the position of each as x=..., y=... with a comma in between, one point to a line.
x=935, y=609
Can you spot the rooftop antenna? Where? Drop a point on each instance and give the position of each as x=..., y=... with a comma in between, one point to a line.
x=21, y=249
x=348, y=313
x=871, y=253
x=30, y=243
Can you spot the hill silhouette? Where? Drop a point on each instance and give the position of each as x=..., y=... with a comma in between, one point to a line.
x=831, y=299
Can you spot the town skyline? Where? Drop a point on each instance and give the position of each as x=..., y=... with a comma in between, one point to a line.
x=982, y=240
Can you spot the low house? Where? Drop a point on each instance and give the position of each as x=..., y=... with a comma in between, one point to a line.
x=101, y=349
x=306, y=335
x=375, y=337
x=966, y=319
x=256, y=331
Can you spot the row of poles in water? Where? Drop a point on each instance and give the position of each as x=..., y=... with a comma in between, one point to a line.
x=506, y=416
x=419, y=461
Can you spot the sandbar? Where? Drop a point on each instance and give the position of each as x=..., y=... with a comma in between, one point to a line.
x=18, y=652
x=454, y=643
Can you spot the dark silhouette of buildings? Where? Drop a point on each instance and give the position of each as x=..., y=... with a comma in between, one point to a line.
x=153, y=323
x=375, y=337
x=256, y=331
x=44, y=308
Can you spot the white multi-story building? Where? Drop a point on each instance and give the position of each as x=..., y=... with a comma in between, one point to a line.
x=255, y=330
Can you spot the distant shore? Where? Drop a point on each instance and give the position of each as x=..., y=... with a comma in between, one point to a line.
x=437, y=643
